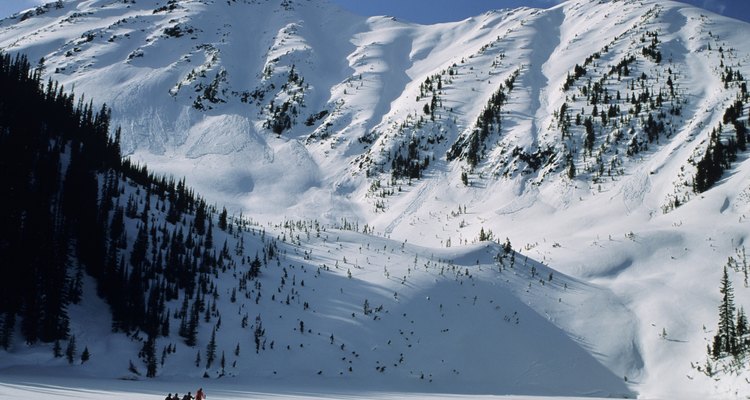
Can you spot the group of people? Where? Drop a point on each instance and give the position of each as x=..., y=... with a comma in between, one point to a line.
x=199, y=395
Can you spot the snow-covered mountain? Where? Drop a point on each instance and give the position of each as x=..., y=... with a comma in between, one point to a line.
x=324, y=112
x=581, y=132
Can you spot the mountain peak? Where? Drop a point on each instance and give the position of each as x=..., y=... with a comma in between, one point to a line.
x=607, y=139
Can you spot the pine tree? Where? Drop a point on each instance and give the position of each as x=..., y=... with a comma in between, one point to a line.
x=255, y=267
x=590, y=137
x=191, y=331
x=209, y=243
x=57, y=349
x=150, y=355
x=165, y=325
x=258, y=333
x=6, y=332
x=211, y=349
x=571, y=172
x=742, y=330
x=485, y=236
x=507, y=246
x=223, y=219
x=70, y=351
x=223, y=362
x=725, y=339
x=465, y=178
x=366, y=308
x=85, y=356
x=200, y=218
x=741, y=135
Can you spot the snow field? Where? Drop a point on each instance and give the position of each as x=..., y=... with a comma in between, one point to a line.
x=633, y=271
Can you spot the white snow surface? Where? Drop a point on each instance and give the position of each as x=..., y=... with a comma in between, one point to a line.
x=626, y=266
x=102, y=389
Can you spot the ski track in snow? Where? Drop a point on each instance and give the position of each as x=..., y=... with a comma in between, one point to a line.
x=117, y=390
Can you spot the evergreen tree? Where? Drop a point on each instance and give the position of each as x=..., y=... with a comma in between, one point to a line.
x=200, y=218
x=366, y=308
x=149, y=351
x=223, y=219
x=165, y=325
x=507, y=246
x=57, y=349
x=209, y=243
x=742, y=330
x=484, y=235
x=6, y=329
x=590, y=137
x=571, y=171
x=258, y=333
x=725, y=339
x=741, y=131
x=70, y=351
x=192, y=325
x=223, y=362
x=211, y=349
x=255, y=267
x=85, y=356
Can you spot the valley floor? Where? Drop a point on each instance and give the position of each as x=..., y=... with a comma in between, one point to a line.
x=20, y=387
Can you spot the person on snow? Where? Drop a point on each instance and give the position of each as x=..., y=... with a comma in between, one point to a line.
x=169, y=397
x=199, y=395
x=188, y=396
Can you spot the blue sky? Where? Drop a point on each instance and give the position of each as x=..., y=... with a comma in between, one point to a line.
x=429, y=11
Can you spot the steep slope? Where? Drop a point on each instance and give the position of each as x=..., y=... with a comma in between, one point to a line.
x=356, y=109
x=582, y=132
x=222, y=73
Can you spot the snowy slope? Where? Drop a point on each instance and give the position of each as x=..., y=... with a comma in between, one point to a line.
x=340, y=310
x=200, y=87
x=296, y=109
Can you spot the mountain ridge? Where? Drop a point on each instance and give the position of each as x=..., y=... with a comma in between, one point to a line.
x=582, y=132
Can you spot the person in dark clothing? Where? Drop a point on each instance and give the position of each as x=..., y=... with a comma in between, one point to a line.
x=188, y=396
